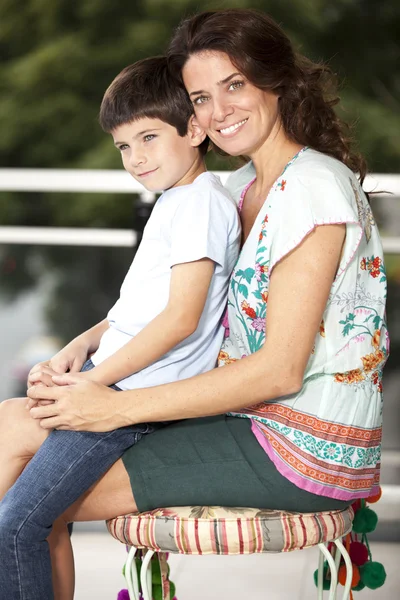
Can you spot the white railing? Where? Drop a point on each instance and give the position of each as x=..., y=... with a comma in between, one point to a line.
x=116, y=181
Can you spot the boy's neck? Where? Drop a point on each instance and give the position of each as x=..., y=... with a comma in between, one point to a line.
x=197, y=168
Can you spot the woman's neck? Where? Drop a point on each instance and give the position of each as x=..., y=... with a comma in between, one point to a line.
x=270, y=159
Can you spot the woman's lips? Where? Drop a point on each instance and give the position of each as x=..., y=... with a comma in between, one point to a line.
x=232, y=130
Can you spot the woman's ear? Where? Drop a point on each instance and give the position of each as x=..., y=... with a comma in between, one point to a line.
x=196, y=134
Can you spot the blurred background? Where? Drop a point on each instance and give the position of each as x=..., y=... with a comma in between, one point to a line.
x=57, y=57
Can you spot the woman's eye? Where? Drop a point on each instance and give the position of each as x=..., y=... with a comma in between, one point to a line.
x=200, y=100
x=235, y=85
x=149, y=137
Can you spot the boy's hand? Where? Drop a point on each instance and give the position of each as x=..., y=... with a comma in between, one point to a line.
x=71, y=358
x=42, y=376
x=35, y=369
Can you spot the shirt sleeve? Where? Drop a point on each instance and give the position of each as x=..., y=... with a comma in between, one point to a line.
x=306, y=202
x=203, y=226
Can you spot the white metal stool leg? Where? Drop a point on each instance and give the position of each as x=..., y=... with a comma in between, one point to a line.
x=320, y=580
x=131, y=575
x=145, y=575
x=349, y=568
x=332, y=590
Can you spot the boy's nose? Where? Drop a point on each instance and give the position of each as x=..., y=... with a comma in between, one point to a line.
x=137, y=160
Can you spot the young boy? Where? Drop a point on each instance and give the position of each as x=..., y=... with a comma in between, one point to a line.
x=165, y=326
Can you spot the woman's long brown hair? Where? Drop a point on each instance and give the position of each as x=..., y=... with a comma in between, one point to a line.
x=263, y=53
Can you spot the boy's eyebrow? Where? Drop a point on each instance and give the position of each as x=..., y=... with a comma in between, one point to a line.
x=147, y=131
x=140, y=134
x=226, y=80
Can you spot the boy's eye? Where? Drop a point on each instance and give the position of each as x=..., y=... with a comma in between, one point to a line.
x=200, y=100
x=149, y=137
x=235, y=85
x=123, y=147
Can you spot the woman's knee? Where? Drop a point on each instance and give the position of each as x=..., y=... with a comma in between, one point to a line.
x=18, y=431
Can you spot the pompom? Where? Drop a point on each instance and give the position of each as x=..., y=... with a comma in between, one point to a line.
x=156, y=573
x=374, y=497
x=157, y=592
x=365, y=520
x=360, y=586
x=342, y=574
x=326, y=583
x=123, y=595
x=373, y=574
x=356, y=505
x=358, y=553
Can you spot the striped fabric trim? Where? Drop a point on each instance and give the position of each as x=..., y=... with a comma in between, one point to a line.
x=228, y=531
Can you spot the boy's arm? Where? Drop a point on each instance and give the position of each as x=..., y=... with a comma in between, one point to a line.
x=187, y=297
x=70, y=358
x=73, y=355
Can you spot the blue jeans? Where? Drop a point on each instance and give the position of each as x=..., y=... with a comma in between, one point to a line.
x=65, y=467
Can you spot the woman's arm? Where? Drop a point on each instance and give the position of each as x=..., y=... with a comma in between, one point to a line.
x=188, y=291
x=299, y=289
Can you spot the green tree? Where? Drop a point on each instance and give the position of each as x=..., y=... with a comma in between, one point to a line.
x=58, y=57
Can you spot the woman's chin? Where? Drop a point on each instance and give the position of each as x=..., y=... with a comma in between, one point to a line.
x=232, y=147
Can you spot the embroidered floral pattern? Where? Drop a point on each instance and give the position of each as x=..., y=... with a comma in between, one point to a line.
x=224, y=358
x=263, y=228
x=354, y=376
x=374, y=266
x=322, y=329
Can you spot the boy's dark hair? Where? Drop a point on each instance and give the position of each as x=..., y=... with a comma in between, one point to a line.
x=146, y=89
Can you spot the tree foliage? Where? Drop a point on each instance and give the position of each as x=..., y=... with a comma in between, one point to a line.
x=58, y=57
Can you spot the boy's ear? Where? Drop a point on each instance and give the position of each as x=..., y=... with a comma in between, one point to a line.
x=196, y=134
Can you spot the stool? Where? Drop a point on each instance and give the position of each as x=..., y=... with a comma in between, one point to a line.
x=222, y=530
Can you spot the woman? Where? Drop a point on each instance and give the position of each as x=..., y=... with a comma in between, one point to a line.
x=308, y=388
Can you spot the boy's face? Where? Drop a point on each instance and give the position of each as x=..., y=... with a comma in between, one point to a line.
x=155, y=154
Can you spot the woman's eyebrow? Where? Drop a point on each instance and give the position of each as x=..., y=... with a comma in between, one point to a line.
x=226, y=80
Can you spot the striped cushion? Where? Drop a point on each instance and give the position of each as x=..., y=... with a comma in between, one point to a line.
x=221, y=530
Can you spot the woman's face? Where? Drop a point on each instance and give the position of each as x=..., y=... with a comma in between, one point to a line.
x=238, y=117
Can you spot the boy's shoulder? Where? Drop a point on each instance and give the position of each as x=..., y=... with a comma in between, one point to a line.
x=206, y=188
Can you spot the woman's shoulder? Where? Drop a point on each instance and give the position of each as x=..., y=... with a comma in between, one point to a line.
x=313, y=166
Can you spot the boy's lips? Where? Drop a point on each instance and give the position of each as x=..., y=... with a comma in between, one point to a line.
x=145, y=173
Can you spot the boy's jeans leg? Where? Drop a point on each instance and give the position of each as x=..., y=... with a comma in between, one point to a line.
x=65, y=466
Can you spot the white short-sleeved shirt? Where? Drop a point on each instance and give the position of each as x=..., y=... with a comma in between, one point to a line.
x=188, y=223
x=327, y=438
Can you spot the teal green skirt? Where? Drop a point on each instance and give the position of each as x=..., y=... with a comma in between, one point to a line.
x=212, y=461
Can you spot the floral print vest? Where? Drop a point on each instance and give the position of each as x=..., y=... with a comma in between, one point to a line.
x=327, y=438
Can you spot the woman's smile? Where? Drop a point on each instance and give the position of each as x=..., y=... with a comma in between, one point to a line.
x=232, y=130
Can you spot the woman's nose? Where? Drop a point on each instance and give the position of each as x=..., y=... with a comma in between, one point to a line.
x=221, y=110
